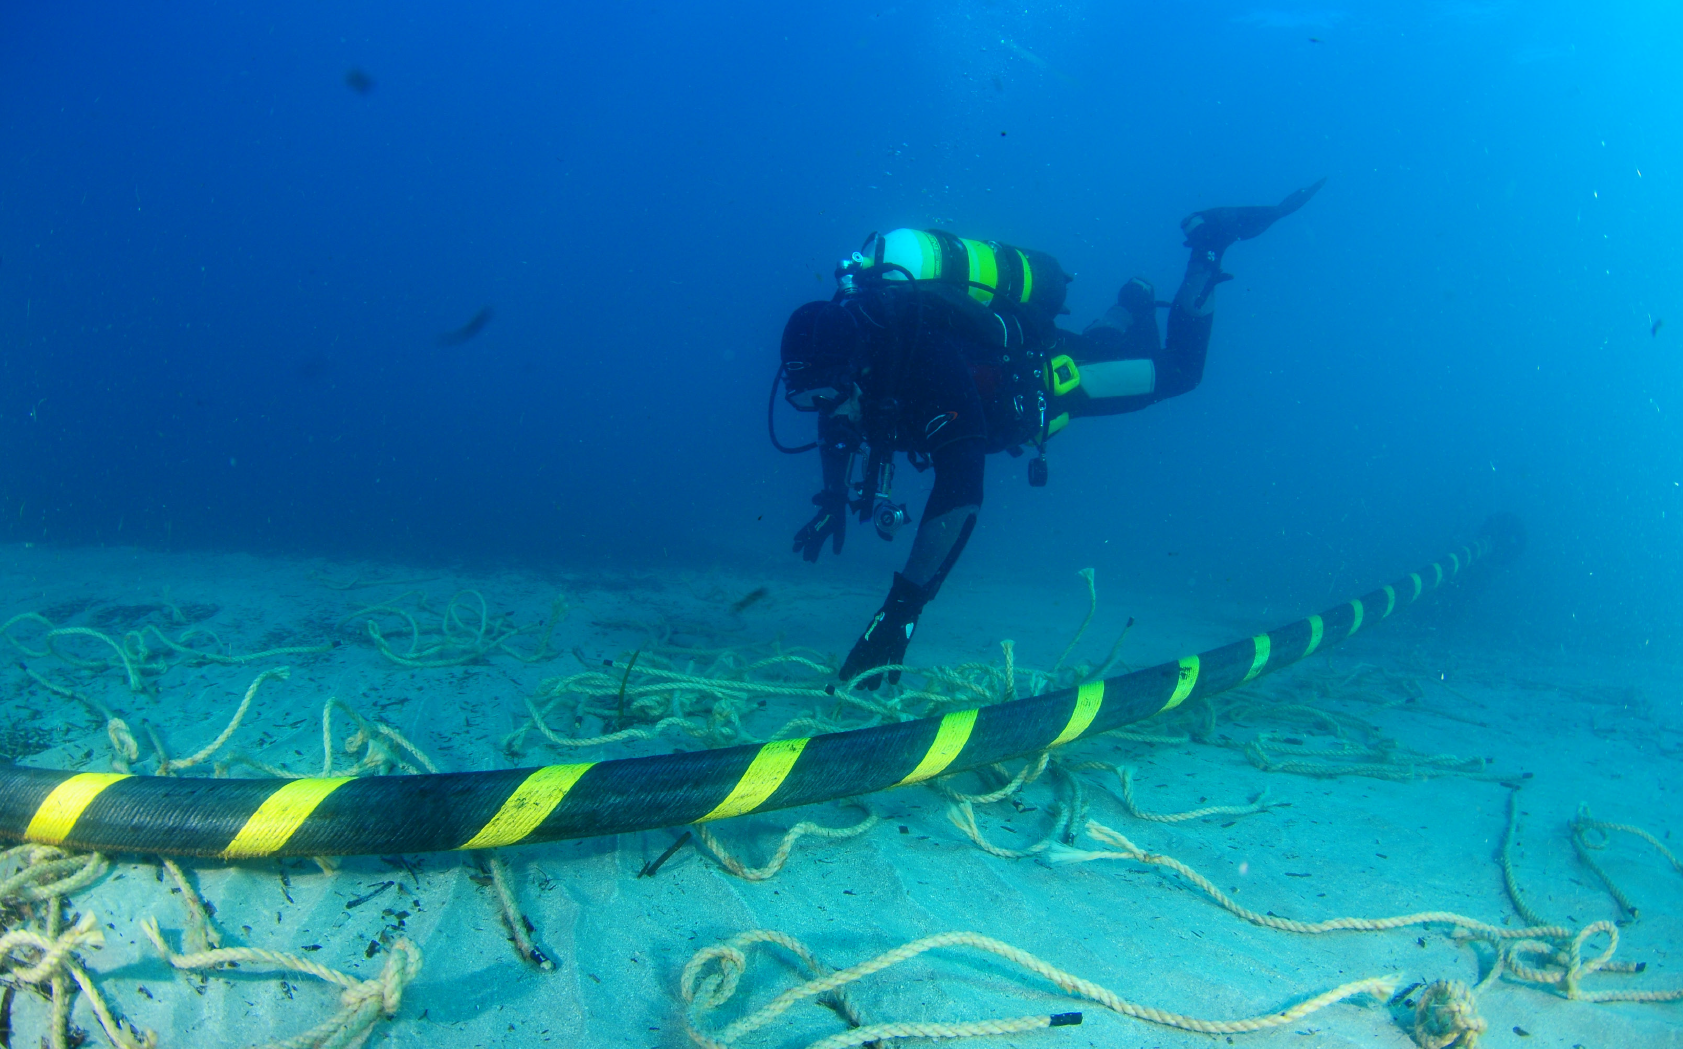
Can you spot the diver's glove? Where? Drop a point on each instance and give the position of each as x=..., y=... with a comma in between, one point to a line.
x=1215, y=229
x=830, y=521
x=884, y=642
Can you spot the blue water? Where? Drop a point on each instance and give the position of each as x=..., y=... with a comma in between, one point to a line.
x=224, y=272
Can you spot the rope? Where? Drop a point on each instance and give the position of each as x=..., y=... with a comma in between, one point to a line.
x=1524, y=910
x=201, y=934
x=707, y=991
x=1092, y=608
x=781, y=856
x=1126, y=775
x=362, y=1002
x=165, y=766
x=517, y=922
x=1127, y=850
x=215, y=657
x=1030, y=772
x=1445, y=1017
x=1583, y=823
x=45, y=954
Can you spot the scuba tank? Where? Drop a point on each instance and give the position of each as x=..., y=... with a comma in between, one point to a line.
x=1003, y=278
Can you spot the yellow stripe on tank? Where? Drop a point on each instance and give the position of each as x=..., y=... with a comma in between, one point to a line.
x=1417, y=585
x=1028, y=278
x=767, y=772
x=1390, y=601
x=1439, y=570
x=1264, y=645
x=1356, y=621
x=280, y=816
x=931, y=250
x=950, y=738
x=1315, y=630
x=59, y=811
x=1088, y=699
x=529, y=805
x=1454, y=564
x=984, y=269
x=1184, y=683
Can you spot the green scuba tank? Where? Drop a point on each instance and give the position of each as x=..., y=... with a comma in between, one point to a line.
x=1002, y=277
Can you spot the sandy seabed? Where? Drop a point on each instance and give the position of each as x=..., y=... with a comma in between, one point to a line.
x=1567, y=731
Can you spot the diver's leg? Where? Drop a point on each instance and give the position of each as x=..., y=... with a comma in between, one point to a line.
x=1191, y=316
x=1128, y=330
x=949, y=516
x=948, y=519
x=1209, y=234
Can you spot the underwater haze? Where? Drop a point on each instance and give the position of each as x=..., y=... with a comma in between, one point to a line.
x=403, y=644
x=504, y=282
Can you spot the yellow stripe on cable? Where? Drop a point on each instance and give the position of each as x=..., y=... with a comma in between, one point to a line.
x=1390, y=601
x=765, y=774
x=949, y=740
x=529, y=805
x=1356, y=620
x=1315, y=631
x=1088, y=699
x=280, y=816
x=60, y=810
x=1454, y=564
x=1184, y=683
x=1417, y=585
x=1264, y=645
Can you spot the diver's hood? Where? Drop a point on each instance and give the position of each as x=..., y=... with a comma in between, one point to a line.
x=821, y=344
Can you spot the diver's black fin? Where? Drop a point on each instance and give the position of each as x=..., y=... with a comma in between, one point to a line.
x=1216, y=228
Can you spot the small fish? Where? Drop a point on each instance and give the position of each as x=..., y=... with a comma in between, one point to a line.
x=468, y=330
x=750, y=599
x=1655, y=330
x=358, y=81
x=1314, y=40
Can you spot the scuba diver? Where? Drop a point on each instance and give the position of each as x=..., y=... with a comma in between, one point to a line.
x=947, y=350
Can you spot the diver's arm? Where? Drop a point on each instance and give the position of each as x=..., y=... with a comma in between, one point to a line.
x=838, y=441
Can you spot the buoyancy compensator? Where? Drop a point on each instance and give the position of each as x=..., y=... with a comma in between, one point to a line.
x=1005, y=298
